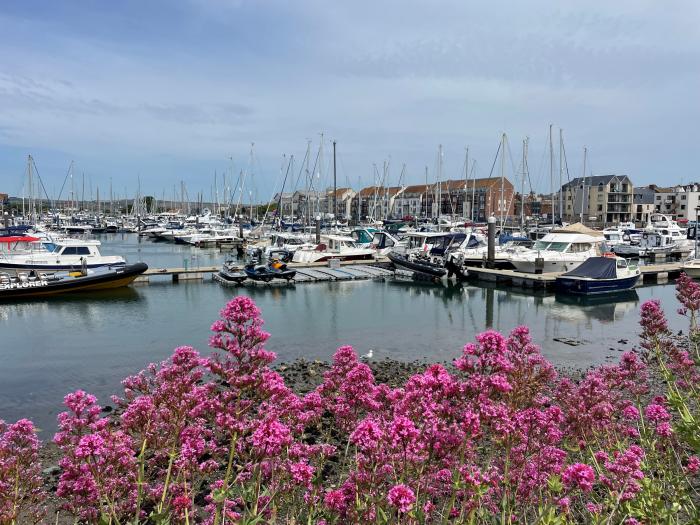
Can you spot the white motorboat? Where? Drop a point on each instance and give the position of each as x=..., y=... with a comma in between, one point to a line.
x=560, y=251
x=287, y=242
x=651, y=243
x=333, y=247
x=58, y=254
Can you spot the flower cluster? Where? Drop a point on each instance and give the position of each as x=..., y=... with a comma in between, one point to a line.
x=223, y=439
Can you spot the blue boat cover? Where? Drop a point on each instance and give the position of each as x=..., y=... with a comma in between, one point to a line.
x=595, y=268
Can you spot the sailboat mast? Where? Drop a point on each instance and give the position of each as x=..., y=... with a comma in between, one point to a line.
x=583, y=197
x=466, y=183
x=501, y=202
x=561, y=173
x=335, y=189
x=522, y=186
x=439, y=182
x=551, y=172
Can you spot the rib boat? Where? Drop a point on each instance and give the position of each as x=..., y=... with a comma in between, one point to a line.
x=34, y=284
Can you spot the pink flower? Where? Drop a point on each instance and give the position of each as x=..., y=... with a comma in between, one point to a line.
x=401, y=497
x=335, y=500
x=630, y=412
x=579, y=475
x=693, y=465
x=367, y=435
x=656, y=413
x=271, y=436
x=302, y=473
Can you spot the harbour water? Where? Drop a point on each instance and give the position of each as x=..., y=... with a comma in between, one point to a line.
x=91, y=341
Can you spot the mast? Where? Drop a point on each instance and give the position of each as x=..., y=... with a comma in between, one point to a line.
x=522, y=191
x=551, y=171
x=439, y=182
x=473, y=192
x=335, y=189
x=466, y=183
x=501, y=202
x=583, y=197
x=561, y=169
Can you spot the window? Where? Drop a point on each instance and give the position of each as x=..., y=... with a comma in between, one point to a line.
x=683, y=197
x=600, y=207
x=682, y=206
x=76, y=250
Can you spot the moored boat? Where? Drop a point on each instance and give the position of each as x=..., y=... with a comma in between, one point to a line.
x=599, y=275
x=232, y=273
x=417, y=265
x=34, y=284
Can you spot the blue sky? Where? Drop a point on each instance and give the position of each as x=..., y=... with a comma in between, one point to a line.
x=166, y=91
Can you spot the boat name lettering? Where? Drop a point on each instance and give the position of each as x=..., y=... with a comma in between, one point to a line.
x=30, y=284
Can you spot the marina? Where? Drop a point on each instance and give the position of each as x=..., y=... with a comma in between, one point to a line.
x=387, y=312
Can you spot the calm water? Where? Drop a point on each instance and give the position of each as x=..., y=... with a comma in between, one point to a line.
x=91, y=341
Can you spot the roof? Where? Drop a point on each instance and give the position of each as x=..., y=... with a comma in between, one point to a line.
x=595, y=180
x=339, y=192
x=418, y=188
x=578, y=228
x=380, y=191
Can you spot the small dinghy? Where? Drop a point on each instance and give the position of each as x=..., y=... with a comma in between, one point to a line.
x=230, y=272
x=417, y=265
x=37, y=284
x=599, y=275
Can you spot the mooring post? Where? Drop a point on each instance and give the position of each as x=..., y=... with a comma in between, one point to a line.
x=318, y=229
x=491, y=256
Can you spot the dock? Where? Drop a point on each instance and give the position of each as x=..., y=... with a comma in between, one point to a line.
x=651, y=273
x=306, y=272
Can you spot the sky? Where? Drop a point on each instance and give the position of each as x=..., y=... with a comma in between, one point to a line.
x=157, y=93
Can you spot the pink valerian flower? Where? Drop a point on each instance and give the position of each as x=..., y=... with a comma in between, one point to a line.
x=367, y=436
x=693, y=465
x=302, y=473
x=623, y=471
x=630, y=412
x=653, y=322
x=270, y=437
x=579, y=475
x=564, y=503
x=401, y=497
x=688, y=294
x=349, y=389
x=336, y=500
x=656, y=413
x=21, y=484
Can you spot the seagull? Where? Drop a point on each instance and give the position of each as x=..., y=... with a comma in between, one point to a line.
x=368, y=355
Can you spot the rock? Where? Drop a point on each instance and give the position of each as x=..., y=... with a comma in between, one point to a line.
x=53, y=470
x=107, y=409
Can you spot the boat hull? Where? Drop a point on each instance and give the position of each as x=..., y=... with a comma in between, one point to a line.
x=89, y=283
x=583, y=286
x=402, y=262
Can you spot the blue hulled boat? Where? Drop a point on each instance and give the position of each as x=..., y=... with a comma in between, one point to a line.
x=599, y=275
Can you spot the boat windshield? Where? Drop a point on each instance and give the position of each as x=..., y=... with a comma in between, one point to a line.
x=50, y=247
x=551, y=246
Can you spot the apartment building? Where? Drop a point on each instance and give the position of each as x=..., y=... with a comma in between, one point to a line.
x=602, y=199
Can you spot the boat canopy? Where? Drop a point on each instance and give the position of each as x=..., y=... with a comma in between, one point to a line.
x=595, y=268
x=19, y=239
